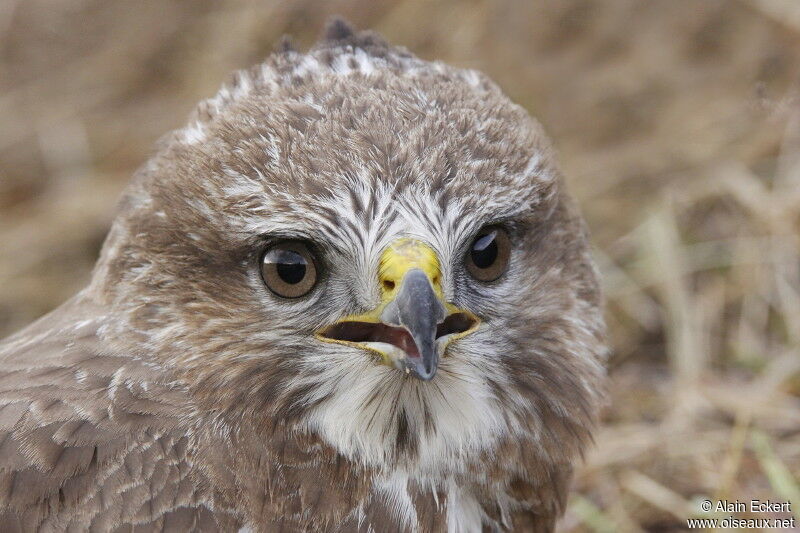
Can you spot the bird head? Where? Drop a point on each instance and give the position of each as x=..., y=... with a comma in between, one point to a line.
x=373, y=249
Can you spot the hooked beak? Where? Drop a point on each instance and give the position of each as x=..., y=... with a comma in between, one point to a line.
x=413, y=325
x=417, y=309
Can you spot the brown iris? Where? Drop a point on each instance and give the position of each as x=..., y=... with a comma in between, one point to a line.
x=288, y=269
x=487, y=257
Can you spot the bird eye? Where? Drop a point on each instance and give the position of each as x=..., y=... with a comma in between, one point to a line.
x=288, y=269
x=488, y=255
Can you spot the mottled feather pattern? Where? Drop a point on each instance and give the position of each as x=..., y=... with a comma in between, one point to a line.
x=176, y=393
x=82, y=428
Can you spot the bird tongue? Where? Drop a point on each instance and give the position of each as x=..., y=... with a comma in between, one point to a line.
x=374, y=332
x=401, y=338
x=394, y=335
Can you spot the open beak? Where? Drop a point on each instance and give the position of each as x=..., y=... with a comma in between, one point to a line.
x=413, y=325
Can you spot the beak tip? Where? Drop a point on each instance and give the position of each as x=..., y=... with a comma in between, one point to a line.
x=419, y=370
x=429, y=376
x=422, y=376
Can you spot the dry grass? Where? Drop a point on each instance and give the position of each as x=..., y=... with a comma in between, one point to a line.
x=715, y=269
x=678, y=123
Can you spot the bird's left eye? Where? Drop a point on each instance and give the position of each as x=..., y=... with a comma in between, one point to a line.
x=288, y=269
x=487, y=257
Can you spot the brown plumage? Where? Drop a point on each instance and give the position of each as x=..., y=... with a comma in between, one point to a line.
x=178, y=392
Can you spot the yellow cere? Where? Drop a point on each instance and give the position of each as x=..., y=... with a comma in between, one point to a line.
x=403, y=255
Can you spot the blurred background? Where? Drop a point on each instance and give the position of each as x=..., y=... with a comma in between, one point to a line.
x=678, y=127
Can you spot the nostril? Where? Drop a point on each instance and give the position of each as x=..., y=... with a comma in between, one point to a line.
x=435, y=279
x=388, y=284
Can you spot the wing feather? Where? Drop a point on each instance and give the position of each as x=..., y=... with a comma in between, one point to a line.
x=89, y=439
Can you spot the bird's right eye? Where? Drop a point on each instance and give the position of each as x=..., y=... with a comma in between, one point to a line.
x=288, y=269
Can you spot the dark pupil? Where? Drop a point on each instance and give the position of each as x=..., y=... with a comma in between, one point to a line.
x=290, y=266
x=484, y=250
